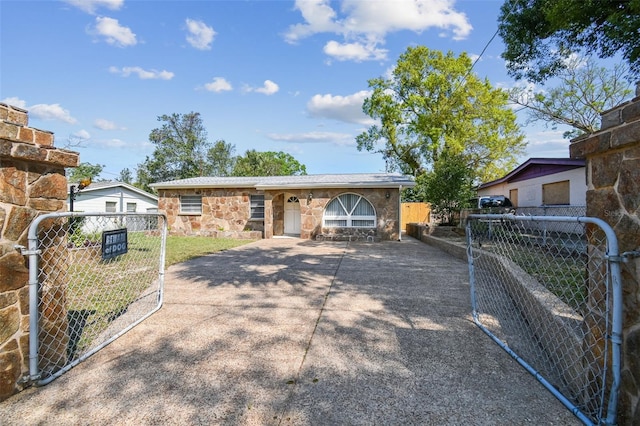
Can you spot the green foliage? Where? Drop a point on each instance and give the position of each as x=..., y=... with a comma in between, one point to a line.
x=432, y=103
x=221, y=159
x=448, y=187
x=181, y=150
x=84, y=171
x=539, y=35
x=125, y=176
x=585, y=91
x=268, y=163
x=79, y=238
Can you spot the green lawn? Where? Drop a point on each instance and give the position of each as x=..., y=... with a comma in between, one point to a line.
x=181, y=248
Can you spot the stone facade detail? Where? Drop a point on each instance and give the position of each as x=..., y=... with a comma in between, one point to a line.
x=226, y=211
x=32, y=182
x=613, y=194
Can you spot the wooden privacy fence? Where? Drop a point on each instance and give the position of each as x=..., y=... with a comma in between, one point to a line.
x=415, y=213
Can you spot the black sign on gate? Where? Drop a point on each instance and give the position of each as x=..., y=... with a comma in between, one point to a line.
x=114, y=243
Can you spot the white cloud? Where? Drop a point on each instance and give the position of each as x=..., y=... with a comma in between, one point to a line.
x=319, y=17
x=340, y=139
x=367, y=23
x=81, y=134
x=42, y=111
x=547, y=143
x=51, y=112
x=113, y=143
x=474, y=57
x=200, y=35
x=142, y=73
x=269, y=88
x=16, y=102
x=103, y=124
x=114, y=33
x=90, y=6
x=354, y=51
x=525, y=93
x=342, y=108
x=219, y=84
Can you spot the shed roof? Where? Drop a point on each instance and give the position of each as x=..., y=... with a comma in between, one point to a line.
x=536, y=167
x=357, y=180
x=96, y=186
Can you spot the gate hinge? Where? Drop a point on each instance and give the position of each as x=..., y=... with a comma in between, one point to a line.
x=624, y=257
x=24, y=251
x=28, y=379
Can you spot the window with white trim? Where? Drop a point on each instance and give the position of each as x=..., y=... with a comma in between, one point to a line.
x=110, y=206
x=349, y=211
x=191, y=204
x=131, y=207
x=256, y=206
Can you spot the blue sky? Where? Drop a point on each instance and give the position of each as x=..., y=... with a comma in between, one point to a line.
x=267, y=75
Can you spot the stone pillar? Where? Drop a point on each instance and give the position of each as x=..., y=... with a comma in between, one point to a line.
x=613, y=194
x=32, y=182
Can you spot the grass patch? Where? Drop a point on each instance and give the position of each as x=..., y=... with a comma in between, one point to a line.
x=100, y=291
x=182, y=248
x=563, y=277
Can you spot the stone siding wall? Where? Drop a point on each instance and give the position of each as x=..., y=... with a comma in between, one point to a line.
x=228, y=210
x=225, y=212
x=32, y=182
x=613, y=194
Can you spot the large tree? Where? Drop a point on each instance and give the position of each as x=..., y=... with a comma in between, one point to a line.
x=584, y=91
x=539, y=35
x=181, y=148
x=221, y=159
x=268, y=163
x=432, y=102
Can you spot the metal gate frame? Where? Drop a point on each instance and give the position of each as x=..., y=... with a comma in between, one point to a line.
x=612, y=258
x=34, y=251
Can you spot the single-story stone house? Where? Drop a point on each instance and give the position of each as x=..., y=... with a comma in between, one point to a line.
x=354, y=206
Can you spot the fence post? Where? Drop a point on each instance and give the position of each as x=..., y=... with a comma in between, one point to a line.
x=613, y=177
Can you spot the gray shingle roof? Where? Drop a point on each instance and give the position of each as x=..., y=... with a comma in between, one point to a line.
x=369, y=180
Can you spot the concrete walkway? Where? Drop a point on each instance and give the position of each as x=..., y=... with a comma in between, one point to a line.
x=293, y=332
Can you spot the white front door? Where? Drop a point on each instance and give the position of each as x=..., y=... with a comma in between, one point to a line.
x=292, y=216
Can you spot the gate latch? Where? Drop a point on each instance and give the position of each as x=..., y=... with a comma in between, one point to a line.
x=624, y=257
x=24, y=251
x=630, y=255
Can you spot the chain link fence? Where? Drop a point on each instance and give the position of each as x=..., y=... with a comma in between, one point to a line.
x=542, y=288
x=93, y=276
x=574, y=211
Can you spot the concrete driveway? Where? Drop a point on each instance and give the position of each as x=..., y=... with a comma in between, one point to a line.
x=293, y=332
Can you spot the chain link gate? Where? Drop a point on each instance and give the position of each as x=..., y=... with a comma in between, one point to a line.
x=548, y=290
x=92, y=277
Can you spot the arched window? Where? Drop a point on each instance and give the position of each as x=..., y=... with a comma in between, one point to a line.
x=349, y=211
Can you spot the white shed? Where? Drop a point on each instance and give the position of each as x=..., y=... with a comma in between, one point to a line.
x=542, y=182
x=111, y=197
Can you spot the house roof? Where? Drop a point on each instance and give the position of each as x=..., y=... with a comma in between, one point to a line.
x=95, y=186
x=359, y=180
x=537, y=167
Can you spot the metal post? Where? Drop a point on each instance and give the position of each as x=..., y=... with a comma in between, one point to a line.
x=72, y=197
